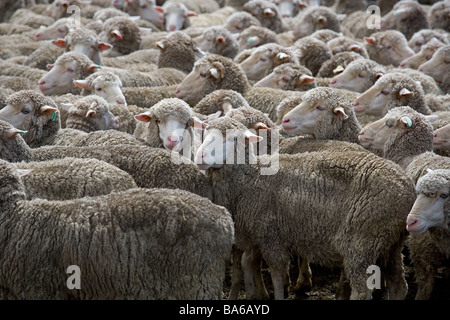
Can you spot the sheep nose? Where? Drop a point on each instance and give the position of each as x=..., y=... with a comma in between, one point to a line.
x=286, y=120
x=173, y=138
x=37, y=36
x=172, y=27
x=333, y=81
x=356, y=104
x=402, y=65
x=420, y=69
x=285, y=15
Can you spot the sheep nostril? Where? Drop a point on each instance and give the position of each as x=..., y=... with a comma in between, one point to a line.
x=286, y=120
x=356, y=104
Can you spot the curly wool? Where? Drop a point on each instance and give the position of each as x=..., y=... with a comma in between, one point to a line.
x=295, y=71
x=179, y=52
x=77, y=119
x=214, y=101
x=313, y=53
x=342, y=59
x=106, y=77
x=12, y=149
x=256, y=8
x=130, y=31
x=83, y=63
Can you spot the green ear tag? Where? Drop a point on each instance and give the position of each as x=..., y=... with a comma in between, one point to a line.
x=53, y=116
x=407, y=121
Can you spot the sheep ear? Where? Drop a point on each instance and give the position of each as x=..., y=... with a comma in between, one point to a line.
x=407, y=122
x=191, y=14
x=341, y=16
x=370, y=40
x=406, y=93
x=159, y=45
x=102, y=46
x=268, y=12
x=432, y=118
x=217, y=71
x=355, y=47
x=429, y=170
x=60, y=43
x=83, y=84
x=253, y=40
x=91, y=113
x=143, y=117
x=116, y=33
x=338, y=69
x=13, y=132
x=197, y=123
x=24, y=172
x=321, y=19
x=144, y=31
x=227, y=107
x=93, y=67
x=201, y=52
x=50, y=66
x=339, y=111
x=378, y=75
x=47, y=110
x=282, y=56
x=159, y=9
x=251, y=137
x=213, y=116
x=304, y=80
x=221, y=40
x=260, y=126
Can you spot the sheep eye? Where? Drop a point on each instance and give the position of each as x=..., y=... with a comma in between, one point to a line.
x=320, y=107
x=428, y=57
x=388, y=47
x=444, y=195
x=99, y=89
x=263, y=59
x=447, y=61
x=385, y=92
x=25, y=111
x=388, y=124
x=360, y=76
x=70, y=70
x=203, y=74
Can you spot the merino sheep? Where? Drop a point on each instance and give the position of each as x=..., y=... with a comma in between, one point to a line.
x=240, y=21
x=406, y=16
x=325, y=35
x=425, y=54
x=265, y=58
x=131, y=231
x=441, y=138
x=337, y=63
x=315, y=18
x=123, y=34
x=256, y=36
x=220, y=100
x=296, y=183
x=438, y=15
x=72, y=178
x=176, y=16
x=359, y=75
x=428, y=223
x=343, y=44
x=423, y=36
x=312, y=53
x=89, y=114
x=12, y=69
x=218, y=40
x=43, y=56
x=58, y=29
x=388, y=47
x=325, y=114
x=267, y=13
x=438, y=68
x=288, y=76
x=390, y=91
x=29, y=18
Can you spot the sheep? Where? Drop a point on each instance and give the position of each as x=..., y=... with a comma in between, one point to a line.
x=429, y=85
x=141, y=60
x=423, y=36
x=147, y=97
x=265, y=58
x=267, y=13
x=315, y=18
x=176, y=16
x=43, y=56
x=438, y=16
x=325, y=114
x=240, y=21
x=342, y=44
x=16, y=83
x=218, y=40
x=146, y=10
x=111, y=226
x=337, y=63
x=13, y=28
x=255, y=36
x=356, y=23
x=406, y=137
x=222, y=101
x=218, y=17
x=58, y=9
x=294, y=186
x=89, y=114
x=388, y=47
x=406, y=16
x=104, y=84
x=390, y=91
x=312, y=53
x=214, y=72
x=72, y=178
x=347, y=7
x=359, y=75
x=31, y=19
x=441, y=139
x=425, y=54
x=84, y=41
x=11, y=51
x=58, y=29
x=123, y=34
x=428, y=223
x=38, y=115
x=437, y=67
x=178, y=51
x=168, y=125
x=288, y=76
x=12, y=69
x=325, y=35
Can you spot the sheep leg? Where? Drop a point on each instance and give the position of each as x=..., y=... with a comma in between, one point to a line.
x=254, y=284
x=343, y=290
x=236, y=274
x=394, y=275
x=425, y=272
x=277, y=275
x=304, y=282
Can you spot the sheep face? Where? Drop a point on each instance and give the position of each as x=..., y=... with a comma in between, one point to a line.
x=261, y=62
x=288, y=8
x=425, y=54
x=59, y=29
x=176, y=16
x=190, y=87
x=304, y=117
x=388, y=48
x=21, y=115
x=284, y=81
x=219, y=147
x=441, y=138
x=111, y=91
x=438, y=66
x=354, y=79
x=429, y=208
x=148, y=10
x=59, y=79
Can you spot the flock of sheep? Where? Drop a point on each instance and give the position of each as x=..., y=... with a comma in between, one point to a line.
x=160, y=145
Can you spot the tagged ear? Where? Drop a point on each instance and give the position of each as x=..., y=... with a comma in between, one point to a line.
x=339, y=111
x=338, y=69
x=282, y=56
x=83, y=84
x=47, y=110
x=321, y=19
x=93, y=67
x=50, y=66
x=268, y=12
x=406, y=121
x=24, y=172
x=304, y=80
x=102, y=46
x=406, y=93
x=91, y=113
x=370, y=40
x=116, y=33
x=254, y=40
x=251, y=137
x=221, y=40
x=13, y=132
x=143, y=117
x=197, y=123
x=160, y=45
x=60, y=43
